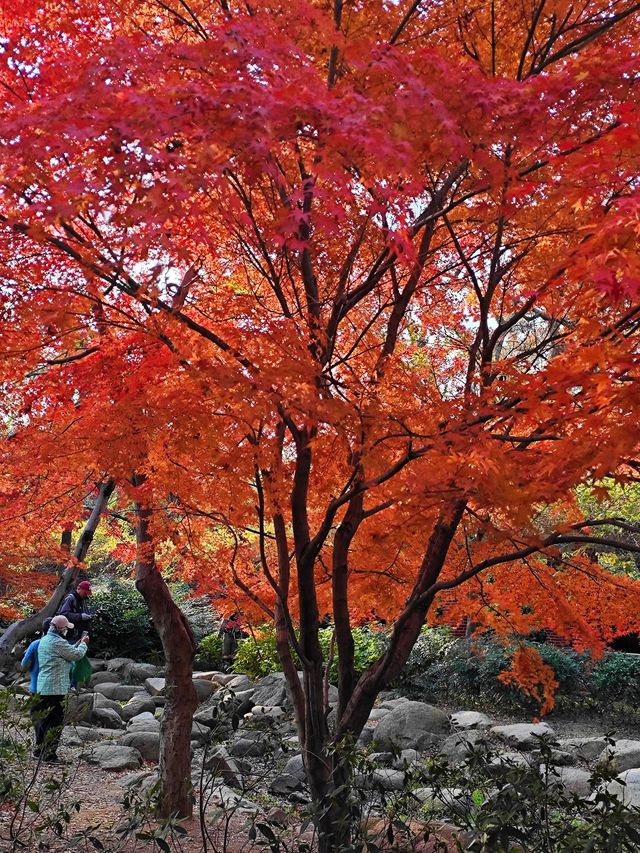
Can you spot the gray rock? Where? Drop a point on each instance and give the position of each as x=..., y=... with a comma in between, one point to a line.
x=388, y=779
x=625, y=755
x=78, y=735
x=377, y=714
x=455, y=799
x=410, y=725
x=107, y=718
x=465, y=720
x=558, y=757
x=627, y=787
x=230, y=800
x=523, y=735
x=268, y=712
x=204, y=688
x=295, y=767
x=271, y=690
x=382, y=759
x=455, y=749
x=239, y=683
x=221, y=764
x=100, y=701
x=208, y=716
x=144, y=722
x=79, y=708
x=574, y=780
x=199, y=732
x=243, y=702
x=245, y=747
x=139, y=672
x=143, y=780
x=97, y=665
x=365, y=738
x=506, y=760
x=147, y=744
x=113, y=756
x=285, y=784
x=120, y=665
x=584, y=748
x=138, y=704
x=407, y=758
x=155, y=686
x=120, y=692
x=103, y=677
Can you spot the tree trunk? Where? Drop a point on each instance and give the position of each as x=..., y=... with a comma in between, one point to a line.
x=179, y=648
x=27, y=627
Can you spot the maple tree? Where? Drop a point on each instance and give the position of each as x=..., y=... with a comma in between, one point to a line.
x=345, y=299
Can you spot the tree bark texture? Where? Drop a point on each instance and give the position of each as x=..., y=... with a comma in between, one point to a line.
x=179, y=646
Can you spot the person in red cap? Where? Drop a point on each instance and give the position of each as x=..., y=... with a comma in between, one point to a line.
x=76, y=610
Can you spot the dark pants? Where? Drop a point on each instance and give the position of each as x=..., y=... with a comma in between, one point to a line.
x=48, y=716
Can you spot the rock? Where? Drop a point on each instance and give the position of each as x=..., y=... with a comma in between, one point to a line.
x=388, y=779
x=100, y=701
x=450, y=798
x=295, y=767
x=250, y=747
x=239, y=683
x=138, y=704
x=365, y=738
x=377, y=714
x=506, y=760
x=271, y=690
x=558, y=757
x=139, y=672
x=204, y=688
x=147, y=743
x=97, y=665
x=78, y=735
x=199, y=732
x=134, y=780
x=455, y=749
x=627, y=787
x=285, y=784
x=155, y=686
x=107, y=718
x=266, y=711
x=465, y=720
x=413, y=725
x=120, y=665
x=584, y=748
x=208, y=716
x=79, y=708
x=625, y=755
x=113, y=756
x=221, y=764
x=574, y=780
x=120, y=692
x=524, y=735
x=407, y=758
x=104, y=677
x=221, y=678
x=381, y=758
x=144, y=722
x=230, y=800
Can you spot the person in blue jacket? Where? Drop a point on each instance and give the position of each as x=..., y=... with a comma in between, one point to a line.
x=30, y=659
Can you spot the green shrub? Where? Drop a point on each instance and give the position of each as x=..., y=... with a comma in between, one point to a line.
x=209, y=654
x=616, y=677
x=368, y=645
x=256, y=655
x=122, y=625
x=570, y=667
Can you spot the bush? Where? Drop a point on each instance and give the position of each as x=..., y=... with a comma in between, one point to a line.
x=256, y=655
x=368, y=645
x=616, y=677
x=122, y=625
x=209, y=654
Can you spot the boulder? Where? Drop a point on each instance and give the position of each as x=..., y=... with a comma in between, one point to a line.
x=144, y=722
x=104, y=677
x=79, y=708
x=230, y=800
x=120, y=665
x=250, y=746
x=107, y=718
x=239, y=683
x=113, y=756
x=410, y=725
x=138, y=704
x=377, y=714
x=574, y=780
x=199, y=732
x=465, y=720
x=625, y=755
x=524, y=735
x=155, y=686
x=407, y=758
x=271, y=690
x=455, y=749
x=285, y=784
x=506, y=760
x=139, y=672
x=295, y=767
x=100, y=701
x=142, y=779
x=147, y=743
x=454, y=799
x=204, y=688
x=78, y=735
x=269, y=712
x=120, y=692
x=627, y=787
x=97, y=665
x=583, y=748
x=221, y=764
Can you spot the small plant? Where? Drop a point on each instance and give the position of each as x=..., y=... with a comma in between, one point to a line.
x=209, y=653
x=616, y=677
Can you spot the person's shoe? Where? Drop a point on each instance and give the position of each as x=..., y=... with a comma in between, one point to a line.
x=53, y=759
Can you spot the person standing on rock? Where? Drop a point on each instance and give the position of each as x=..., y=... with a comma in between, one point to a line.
x=76, y=610
x=55, y=656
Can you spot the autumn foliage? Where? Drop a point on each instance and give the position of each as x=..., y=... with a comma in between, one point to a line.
x=354, y=287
